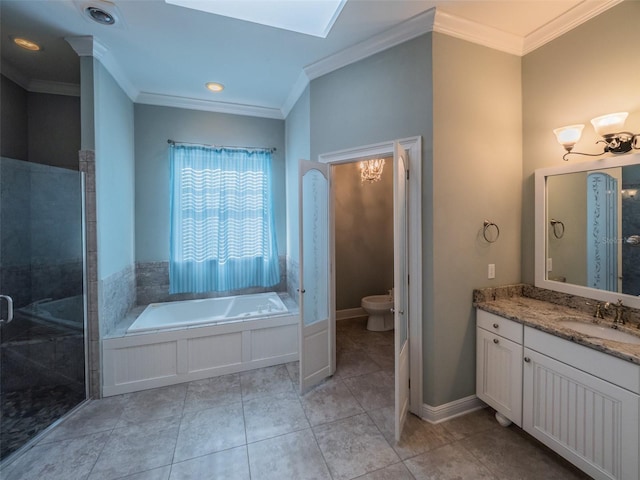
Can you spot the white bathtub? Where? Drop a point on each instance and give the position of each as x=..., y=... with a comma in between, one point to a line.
x=179, y=342
x=189, y=313
x=67, y=312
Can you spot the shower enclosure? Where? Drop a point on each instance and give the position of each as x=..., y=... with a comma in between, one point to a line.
x=42, y=331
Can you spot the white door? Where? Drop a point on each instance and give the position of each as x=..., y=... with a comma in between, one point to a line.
x=401, y=286
x=602, y=226
x=316, y=336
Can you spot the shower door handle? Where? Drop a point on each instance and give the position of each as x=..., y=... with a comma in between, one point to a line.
x=9, y=309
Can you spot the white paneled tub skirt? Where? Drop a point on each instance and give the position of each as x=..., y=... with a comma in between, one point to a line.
x=178, y=342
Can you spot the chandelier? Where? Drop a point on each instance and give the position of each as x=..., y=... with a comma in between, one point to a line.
x=371, y=170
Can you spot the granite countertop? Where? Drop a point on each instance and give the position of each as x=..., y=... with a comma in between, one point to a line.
x=544, y=315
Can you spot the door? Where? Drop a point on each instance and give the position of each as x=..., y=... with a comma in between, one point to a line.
x=401, y=281
x=42, y=341
x=316, y=335
x=602, y=232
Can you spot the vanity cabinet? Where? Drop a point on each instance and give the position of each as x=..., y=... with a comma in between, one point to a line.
x=583, y=404
x=499, y=365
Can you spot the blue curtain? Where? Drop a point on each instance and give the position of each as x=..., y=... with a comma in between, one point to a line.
x=222, y=223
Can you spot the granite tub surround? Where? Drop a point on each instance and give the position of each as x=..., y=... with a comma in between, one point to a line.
x=118, y=297
x=545, y=310
x=152, y=284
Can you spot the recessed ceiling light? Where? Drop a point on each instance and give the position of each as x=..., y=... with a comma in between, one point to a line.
x=99, y=15
x=27, y=44
x=214, y=86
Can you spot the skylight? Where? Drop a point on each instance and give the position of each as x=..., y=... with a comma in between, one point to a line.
x=311, y=17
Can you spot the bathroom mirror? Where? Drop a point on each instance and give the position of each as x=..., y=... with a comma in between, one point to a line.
x=587, y=231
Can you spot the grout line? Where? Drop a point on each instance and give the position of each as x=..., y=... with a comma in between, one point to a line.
x=324, y=459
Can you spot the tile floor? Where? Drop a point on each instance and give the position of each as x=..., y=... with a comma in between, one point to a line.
x=254, y=425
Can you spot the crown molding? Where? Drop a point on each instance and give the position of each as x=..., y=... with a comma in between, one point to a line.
x=294, y=94
x=39, y=86
x=576, y=16
x=84, y=45
x=118, y=75
x=428, y=21
x=13, y=74
x=54, y=88
x=407, y=30
x=477, y=33
x=89, y=46
x=208, y=105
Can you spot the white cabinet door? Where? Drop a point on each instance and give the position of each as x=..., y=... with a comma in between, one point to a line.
x=499, y=374
x=590, y=422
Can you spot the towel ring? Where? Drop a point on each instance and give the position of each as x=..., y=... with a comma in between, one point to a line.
x=487, y=226
x=558, y=228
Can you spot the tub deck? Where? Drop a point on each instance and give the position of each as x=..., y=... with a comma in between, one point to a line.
x=140, y=361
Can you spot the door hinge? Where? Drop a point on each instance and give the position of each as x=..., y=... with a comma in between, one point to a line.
x=407, y=174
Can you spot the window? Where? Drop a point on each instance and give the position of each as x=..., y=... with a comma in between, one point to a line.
x=222, y=225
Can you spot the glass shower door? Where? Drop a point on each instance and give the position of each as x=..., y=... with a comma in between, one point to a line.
x=42, y=349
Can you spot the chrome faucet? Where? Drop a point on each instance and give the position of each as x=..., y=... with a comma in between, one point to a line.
x=619, y=317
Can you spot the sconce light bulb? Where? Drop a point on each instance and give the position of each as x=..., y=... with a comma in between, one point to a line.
x=568, y=136
x=607, y=125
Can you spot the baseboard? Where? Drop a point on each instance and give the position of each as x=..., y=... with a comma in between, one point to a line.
x=451, y=410
x=350, y=313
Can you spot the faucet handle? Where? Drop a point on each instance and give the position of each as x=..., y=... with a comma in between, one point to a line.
x=599, y=307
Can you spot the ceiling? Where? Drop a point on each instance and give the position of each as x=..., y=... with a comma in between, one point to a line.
x=164, y=54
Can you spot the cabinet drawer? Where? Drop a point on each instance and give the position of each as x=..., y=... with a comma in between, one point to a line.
x=599, y=364
x=500, y=326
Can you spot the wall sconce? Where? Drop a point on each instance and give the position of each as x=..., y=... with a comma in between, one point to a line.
x=609, y=127
x=371, y=170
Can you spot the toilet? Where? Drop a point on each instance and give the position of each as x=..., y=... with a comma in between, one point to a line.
x=378, y=307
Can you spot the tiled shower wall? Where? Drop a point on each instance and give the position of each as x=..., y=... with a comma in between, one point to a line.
x=87, y=165
x=39, y=258
x=152, y=284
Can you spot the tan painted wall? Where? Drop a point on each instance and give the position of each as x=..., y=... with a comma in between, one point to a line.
x=567, y=202
x=477, y=162
x=589, y=71
x=363, y=234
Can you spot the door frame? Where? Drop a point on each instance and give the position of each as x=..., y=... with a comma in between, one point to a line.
x=412, y=145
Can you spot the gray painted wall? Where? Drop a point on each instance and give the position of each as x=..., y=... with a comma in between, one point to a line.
x=153, y=127
x=363, y=234
x=114, y=142
x=13, y=120
x=477, y=161
x=40, y=127
x=384, y=97
x=297, y=134
x=54, y=129
x=576, y=77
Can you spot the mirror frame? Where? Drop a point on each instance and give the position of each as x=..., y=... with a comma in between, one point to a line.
x=542, y=229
